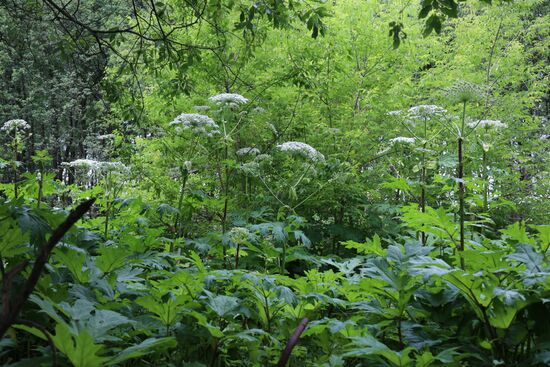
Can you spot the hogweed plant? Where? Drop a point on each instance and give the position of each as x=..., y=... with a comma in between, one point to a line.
x=16, y=130
x=197, y=128
x=218, y=130
x=483, y=131
x=108, y=175
x=462, y=93
x=419, y=122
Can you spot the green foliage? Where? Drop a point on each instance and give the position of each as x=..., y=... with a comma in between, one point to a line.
x=303, y=196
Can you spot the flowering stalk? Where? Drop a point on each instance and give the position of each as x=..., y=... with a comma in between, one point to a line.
x=423, y=178
x=14, y=167
x=16, y=126
x=184, y=176
x=485, y=183
x=461, y=188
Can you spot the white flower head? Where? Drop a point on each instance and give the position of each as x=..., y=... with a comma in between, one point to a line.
x=16, y=125
x=425, y=111
x=198, y=124
x=402, y=139
x=302, y=149
x=247, y=150
x=239, y=235
x=463, y=91
x=82, y=163
x=106, y=137
x=487, y=124
x=262, y=158
x=228, y=98
x=250, y=168
x=97, y=166
x=394, y=113
x=272, y=127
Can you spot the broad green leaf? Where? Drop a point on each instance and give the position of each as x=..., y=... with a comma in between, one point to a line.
x=148, y=346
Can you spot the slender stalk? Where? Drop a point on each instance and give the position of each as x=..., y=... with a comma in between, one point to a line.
x=40, y=184
x=15, y=187
x=461, y=188
x=485, y=183
x=106, y=228
x=185, y=176
x=237, y=253
x=423, y=178
x=108, y=207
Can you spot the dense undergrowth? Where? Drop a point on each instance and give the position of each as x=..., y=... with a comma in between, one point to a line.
x=385, y=303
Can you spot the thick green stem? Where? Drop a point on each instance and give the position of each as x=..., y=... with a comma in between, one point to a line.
x=485, y=183
x=106, y=229
x=185, y=176
x=423, y=179
x=237, y=255
x=461, y=188
x=40, y=185
x=15, y=187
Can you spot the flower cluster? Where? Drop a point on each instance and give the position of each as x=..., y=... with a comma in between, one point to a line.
x=463, y=91
x=262, y=158
x=239, y=235
x=425, y=111
x=248, y=150
x=487, y=124
x=394, y=113
x=97, y=166
x=199, y=124
x=250, y=168
x=16, y=124
x=106, y=137
x=302, y=149
x=228, y=98
x=402, y=139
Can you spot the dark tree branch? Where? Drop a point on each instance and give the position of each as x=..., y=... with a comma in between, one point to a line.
x=11, y=311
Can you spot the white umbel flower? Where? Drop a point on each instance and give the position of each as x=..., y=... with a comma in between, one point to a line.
x=82, y=163
x=394, y=113
x=262, y=158
x=239, y=235
x=487, y=124
x=302, y=149
x=16, y=124
x=402, y=139
x=106, y=137
x=425, y=111
x=228, y=98
x=247, y=150
x=199, y=124
x=97, y=166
